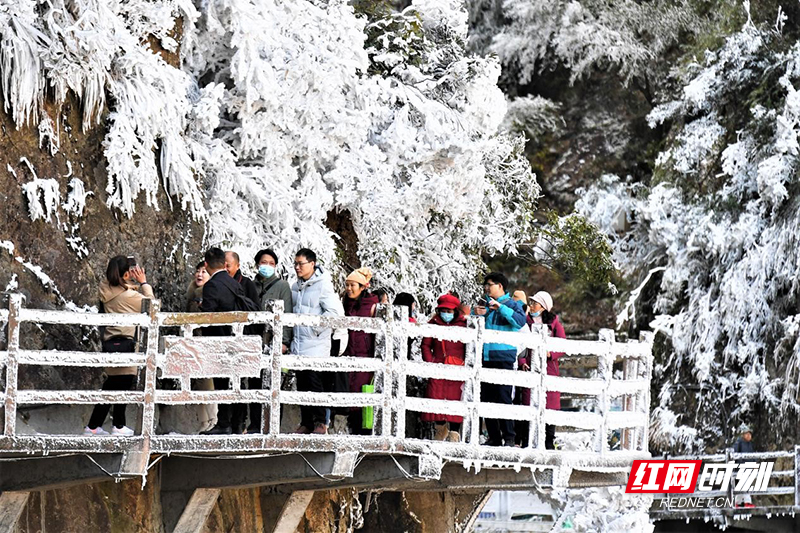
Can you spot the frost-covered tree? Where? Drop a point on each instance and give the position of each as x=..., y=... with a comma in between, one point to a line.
x=719, y=222
x=627, y=36
x=280, y=113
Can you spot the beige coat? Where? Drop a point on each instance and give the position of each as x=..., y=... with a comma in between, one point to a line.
x=122, y=300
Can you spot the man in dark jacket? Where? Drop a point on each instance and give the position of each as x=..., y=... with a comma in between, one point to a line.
x=232, y=266
x=502, y=313
x=270, y=287
x=219, y=295
x=744, y=444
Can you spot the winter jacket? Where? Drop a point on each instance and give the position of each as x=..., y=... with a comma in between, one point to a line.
x=251, y=292
x=314, y=296
x=194, y=295
x=360, y=343
x=553, y=398
x=509, y=317
x=742, y=446
x=434, y=351
x=125, y=299
x=219, y=296
x=275, y=288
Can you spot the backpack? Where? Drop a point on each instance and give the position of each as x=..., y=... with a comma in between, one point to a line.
x=243, y=303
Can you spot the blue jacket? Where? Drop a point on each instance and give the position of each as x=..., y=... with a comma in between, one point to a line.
x=509, y=317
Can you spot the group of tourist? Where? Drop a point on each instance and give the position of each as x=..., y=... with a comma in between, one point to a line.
x=218, y=285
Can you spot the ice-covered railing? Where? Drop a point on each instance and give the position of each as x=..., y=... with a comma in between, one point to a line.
x=185, y=356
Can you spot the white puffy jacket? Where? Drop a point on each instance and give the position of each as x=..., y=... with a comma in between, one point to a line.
x=314, y=297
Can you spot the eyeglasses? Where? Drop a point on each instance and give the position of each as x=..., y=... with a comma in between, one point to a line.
x=298, y=265
x=490, y=284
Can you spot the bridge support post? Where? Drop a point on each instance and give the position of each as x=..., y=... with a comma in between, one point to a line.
x=196, y=512
x=11, y=507
x=292, y=512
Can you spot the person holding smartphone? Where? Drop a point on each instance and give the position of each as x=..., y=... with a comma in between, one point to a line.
x=122, y=291
x=502, y=313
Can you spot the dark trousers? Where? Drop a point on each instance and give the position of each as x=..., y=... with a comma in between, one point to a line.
x=311, y=381
x=100, y=411
x=255, y=408
x=499, y=430
x=229, y=415
x=523, y=429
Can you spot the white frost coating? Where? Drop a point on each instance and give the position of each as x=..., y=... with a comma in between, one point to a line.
x=43, y=197
x=47, y=134
x=742, y=232
x=76, y=198
x=8, y=246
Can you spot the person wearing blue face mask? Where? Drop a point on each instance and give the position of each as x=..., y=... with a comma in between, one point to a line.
x=270, y=287
x=449, y=353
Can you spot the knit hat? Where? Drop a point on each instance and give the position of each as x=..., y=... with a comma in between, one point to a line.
x=360, y=275
x=744, y=428
x=544, y=299
x=520, y=296
x=448, y=301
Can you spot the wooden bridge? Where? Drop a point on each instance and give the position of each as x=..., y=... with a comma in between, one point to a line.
x=193, y=467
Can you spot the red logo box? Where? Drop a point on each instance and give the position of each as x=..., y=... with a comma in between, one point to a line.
x=663, y=477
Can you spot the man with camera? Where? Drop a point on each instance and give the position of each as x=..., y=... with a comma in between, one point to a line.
x=501, y=313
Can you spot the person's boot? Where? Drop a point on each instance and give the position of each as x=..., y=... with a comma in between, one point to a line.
x=217, y=430
x=440, y=432
x=320, y=429
x=301, y=429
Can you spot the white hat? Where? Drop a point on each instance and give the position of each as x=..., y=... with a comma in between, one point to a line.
x=544, y=299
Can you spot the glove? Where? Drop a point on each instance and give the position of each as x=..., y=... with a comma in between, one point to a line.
x=341, y=336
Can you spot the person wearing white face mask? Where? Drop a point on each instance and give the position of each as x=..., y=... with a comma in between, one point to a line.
x=270, y=287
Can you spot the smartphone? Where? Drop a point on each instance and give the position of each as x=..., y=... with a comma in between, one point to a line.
x=131, y=262
x=483, y=302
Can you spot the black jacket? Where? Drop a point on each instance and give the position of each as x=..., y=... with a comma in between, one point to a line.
x=249, y=286
x=218, y=296
x=251, y=291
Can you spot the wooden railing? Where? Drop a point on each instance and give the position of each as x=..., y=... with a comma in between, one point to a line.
x=186, y=356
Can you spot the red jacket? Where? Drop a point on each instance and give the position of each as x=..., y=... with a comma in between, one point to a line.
x=434, y=351
x=553, y=398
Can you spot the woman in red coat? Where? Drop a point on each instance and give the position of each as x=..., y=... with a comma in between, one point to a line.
x=450, y=353
x=358, y=301
x=541, y=312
